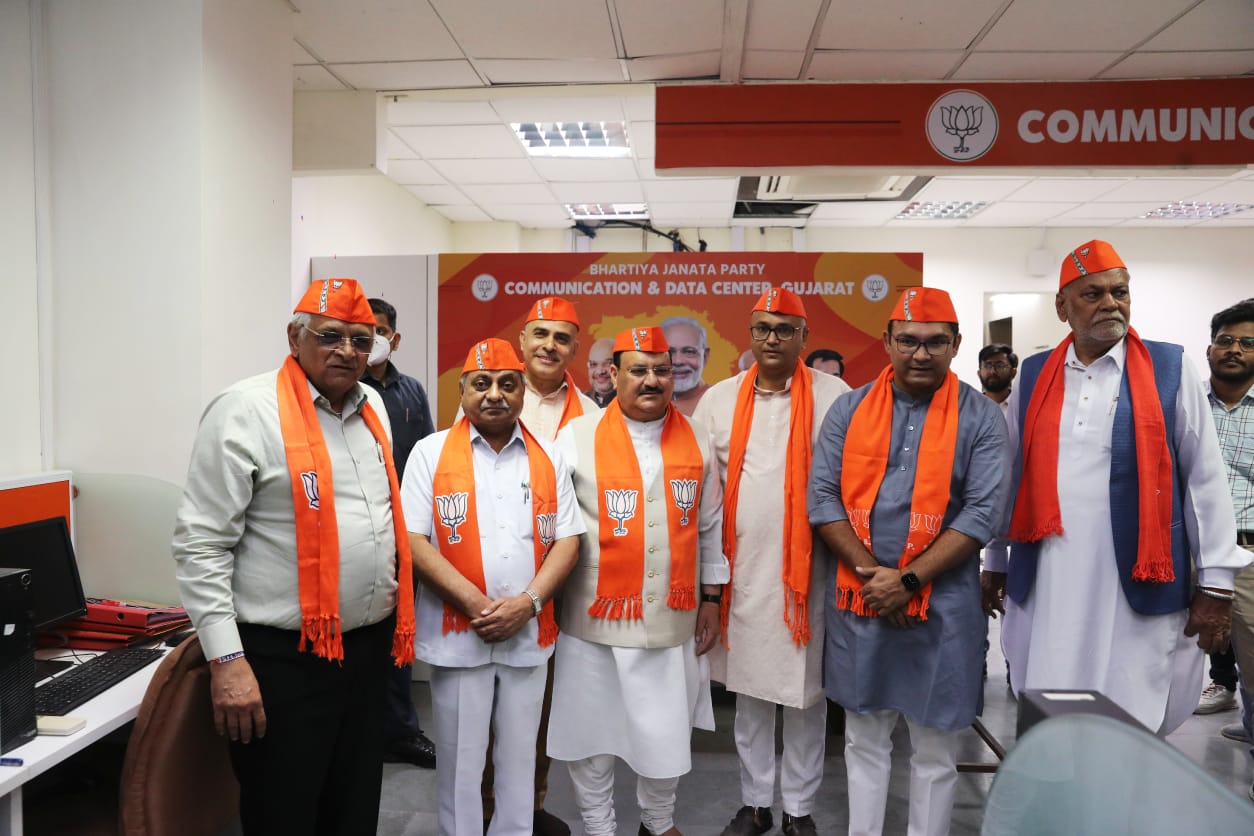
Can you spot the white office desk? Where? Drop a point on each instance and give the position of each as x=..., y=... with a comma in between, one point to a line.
x=104, y=713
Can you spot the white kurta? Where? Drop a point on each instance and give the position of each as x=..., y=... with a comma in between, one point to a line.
x=640, y=704
x=761, y=659
x=1076, y=629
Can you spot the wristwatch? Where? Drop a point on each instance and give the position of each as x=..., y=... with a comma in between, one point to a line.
x=536, y=604
x=910, y=581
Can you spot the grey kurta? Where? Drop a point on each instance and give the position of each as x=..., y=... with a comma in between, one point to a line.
x=930, y=671
x=761, y=659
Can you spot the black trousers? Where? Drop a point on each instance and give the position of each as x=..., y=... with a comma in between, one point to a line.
x=319, y=769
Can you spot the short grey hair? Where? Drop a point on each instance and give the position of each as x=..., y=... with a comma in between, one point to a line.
x=689, y=321
x=302, y=319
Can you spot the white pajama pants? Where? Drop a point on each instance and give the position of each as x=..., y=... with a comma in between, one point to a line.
x=466, y=702
x=933, y=773
x=801, y=768
x=593, y=780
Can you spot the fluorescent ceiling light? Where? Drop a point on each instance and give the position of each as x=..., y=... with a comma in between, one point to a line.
x=1192, y=210
x=594, y=140
x=943, y=210
x=608, y=211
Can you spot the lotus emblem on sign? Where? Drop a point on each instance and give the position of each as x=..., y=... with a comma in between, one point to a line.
x=962, y=125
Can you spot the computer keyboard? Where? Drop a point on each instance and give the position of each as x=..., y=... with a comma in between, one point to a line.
x=93, y=677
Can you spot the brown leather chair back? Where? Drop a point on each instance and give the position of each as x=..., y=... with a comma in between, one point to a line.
x=177, y=778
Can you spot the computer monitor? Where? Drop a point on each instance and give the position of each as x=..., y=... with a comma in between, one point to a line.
x=45, y=549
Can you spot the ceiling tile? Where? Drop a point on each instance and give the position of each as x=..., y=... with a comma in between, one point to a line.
x=640, y=138
x=398, y=150
x=1017, y=214
x=922, y=224
x=314, y=77
x=904, y=24
x=462, y=142
x=663, y=27
x=1064, y=189
x=1111, y=211
x=300, y=55
x=1245, y=218
x=372, y=30
x=409, y=75
x=1080, y=24
x=535, y=29
x=865, y=65
x=487, y=171
x=1183, y=64
x=1233, y=191
x=511, y=107
x=1213, y=24
x=510, y=193
x=413, y=110
x=413, y=173
x=1160, y=223
x=780, y=24
x=594, y=192
x=551, y=71
x=1030, y=66
x=689, y=213
x=772, y=64
x=663, y=67
x=463, y=214
x=1068, y=220
x=1163, y=190
x=568, y=170
x=531, y=215
x=963, y=188
x=684, y=190
x=442, y=195
x=876, y=211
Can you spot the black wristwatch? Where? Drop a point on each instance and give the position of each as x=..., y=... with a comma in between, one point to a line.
x=707, y=598
x=910, y=581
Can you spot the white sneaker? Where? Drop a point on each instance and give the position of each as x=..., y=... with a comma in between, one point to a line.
x=1235, y=731
x=1216, y=698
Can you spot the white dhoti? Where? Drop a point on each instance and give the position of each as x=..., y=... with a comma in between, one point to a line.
x=465, y=703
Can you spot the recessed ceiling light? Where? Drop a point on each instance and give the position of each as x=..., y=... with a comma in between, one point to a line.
x=943, y=210
x=608, y=211
x=596, y=140
x=1192, y=210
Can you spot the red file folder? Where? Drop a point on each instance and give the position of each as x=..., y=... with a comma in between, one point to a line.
x=132, y=614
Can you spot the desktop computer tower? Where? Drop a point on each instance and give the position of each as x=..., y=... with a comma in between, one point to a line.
x=17, y=659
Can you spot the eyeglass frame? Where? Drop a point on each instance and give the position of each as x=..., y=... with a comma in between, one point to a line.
x=321, y=337
x=1245, y=344
x=927, y=345
x=773, y=329
x=642, y=372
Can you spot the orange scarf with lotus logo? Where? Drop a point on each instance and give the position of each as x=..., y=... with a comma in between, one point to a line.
x=621, y=495
x=862, y=466
x=455, y=532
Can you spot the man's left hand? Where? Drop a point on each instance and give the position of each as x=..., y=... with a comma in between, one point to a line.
x=882, y=589
x=709, y=625
x=502, y=619
x=1209, y=620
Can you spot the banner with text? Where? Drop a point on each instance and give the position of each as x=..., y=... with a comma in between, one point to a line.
x=848, y=297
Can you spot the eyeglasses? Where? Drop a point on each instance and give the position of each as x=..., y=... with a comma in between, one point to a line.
x=1226, y=341
x=643, y=371
x=360, y=343
x=909, y=345
x=783, y=332
x=993, y=367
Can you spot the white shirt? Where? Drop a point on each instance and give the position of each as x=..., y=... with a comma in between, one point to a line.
x=506, y=538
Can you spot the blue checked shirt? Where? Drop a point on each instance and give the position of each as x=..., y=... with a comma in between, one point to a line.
x=1236, y=442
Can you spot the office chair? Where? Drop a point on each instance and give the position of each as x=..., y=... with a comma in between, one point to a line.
x=1084, y=773
x=177, y=778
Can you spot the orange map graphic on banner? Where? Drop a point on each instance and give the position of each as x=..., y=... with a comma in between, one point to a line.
x=848, y=298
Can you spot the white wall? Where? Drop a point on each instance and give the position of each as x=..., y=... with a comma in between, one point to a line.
x=20, y=437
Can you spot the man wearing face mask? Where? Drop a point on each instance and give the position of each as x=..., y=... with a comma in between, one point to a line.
x=410, y=419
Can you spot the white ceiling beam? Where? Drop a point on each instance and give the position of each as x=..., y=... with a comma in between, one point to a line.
x=735, y=25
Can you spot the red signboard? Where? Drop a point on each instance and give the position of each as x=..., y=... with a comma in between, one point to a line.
x=1115, y=123
x=848, y=298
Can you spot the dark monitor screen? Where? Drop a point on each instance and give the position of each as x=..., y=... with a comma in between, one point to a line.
x=44, y=548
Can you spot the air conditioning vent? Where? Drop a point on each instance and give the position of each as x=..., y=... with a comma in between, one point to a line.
x=831, y=187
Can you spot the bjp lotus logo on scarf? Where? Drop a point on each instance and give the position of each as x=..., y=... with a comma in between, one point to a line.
x=452, y=508
x=621, y=506
x=930, y=523
x=685, y=493
x=546, y=524
x=310, y=480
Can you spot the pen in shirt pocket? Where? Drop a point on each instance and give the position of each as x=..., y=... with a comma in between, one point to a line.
x=1114, y=404
x=378, y=448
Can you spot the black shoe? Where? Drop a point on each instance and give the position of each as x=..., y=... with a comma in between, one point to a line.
x=417, y=750
x=544, y=823
x=799, y=826
x=749, y=822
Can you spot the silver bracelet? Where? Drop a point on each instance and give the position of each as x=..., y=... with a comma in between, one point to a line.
x=1221, y=596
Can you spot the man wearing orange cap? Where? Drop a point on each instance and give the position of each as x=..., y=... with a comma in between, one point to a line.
x=494, y=529
x=641, y=607
x=293, y=562
x=548, y=342
x=908, y=480
x=763, y=423
x=1118, y=481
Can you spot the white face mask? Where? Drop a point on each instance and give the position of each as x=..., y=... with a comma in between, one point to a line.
x=381, y=352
